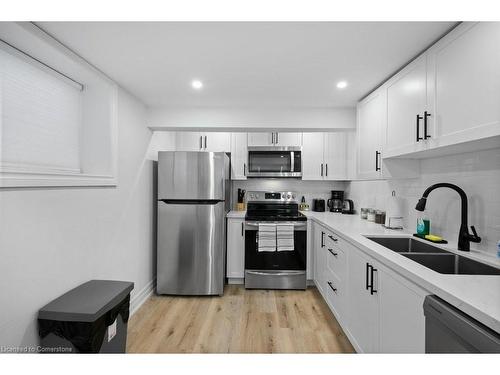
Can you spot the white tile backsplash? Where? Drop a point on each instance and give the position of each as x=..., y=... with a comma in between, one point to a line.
x=477, y=173
x=308, y=189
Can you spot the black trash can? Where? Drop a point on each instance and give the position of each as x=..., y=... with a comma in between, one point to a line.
x=91, y=318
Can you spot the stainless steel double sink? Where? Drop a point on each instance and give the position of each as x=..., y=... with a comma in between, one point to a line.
x=435, y=258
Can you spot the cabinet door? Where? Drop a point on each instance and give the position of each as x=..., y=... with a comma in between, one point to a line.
x=188, y=141
x=406, y=98
x=402, y=321
x=288, y=139
x=335, y=146
x=235, y=248
x=371, y=120
x=217, y=142
x=362, y=306
x=260, y=139
x=239, y=155
x=312, y=156
x=464, y=84
x=319, y=257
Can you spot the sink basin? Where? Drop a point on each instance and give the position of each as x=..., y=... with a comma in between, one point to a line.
x=407, y=245
x=452, y=264
x=433, y=257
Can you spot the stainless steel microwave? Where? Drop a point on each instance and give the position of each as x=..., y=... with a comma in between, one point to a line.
x=274, y=161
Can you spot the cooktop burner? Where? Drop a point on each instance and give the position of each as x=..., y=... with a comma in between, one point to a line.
x=273, y=206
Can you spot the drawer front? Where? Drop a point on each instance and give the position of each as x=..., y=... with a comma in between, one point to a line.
x=335, y=294
x=335, y=255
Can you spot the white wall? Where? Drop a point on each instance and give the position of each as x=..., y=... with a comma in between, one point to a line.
x=478, y=173
x=51, y=240
x=247, y=119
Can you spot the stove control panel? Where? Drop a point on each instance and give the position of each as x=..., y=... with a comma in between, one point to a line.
x=271, y=196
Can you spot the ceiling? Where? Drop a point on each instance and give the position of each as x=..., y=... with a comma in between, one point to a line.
x=272, y=64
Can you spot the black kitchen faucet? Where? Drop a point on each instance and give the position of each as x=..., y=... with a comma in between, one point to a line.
x=464, y=237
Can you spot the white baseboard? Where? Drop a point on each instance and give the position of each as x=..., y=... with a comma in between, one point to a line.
x=235, y=281
x=138, y=300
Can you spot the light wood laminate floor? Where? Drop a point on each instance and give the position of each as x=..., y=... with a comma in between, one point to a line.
x=242, y=321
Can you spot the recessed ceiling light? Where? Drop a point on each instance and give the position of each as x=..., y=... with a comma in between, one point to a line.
x=341, y=84
x=197, y=84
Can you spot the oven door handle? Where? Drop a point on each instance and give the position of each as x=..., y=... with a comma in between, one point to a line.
x=274, y=273
x=302, y=225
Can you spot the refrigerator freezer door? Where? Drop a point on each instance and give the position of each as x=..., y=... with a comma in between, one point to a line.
x=191, y=175
x=191, y=249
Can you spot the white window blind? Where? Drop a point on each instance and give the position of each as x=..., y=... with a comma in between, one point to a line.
x=41, y=115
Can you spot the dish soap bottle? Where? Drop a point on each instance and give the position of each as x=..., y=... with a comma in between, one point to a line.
x=423, y=225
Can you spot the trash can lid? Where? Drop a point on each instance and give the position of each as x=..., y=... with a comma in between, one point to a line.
x=87, y=302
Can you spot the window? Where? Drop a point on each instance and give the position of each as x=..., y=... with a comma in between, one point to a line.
x=40, y=116
x=58, y=121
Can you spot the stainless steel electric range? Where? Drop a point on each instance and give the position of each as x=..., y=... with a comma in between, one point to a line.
x=275, y=241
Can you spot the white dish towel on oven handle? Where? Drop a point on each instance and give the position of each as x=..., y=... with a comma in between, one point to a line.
x=267, y=237
x=284, y=237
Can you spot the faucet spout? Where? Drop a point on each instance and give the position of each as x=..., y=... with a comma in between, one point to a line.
x=464, y=237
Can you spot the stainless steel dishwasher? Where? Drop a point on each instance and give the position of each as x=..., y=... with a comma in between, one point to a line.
x=449, y=330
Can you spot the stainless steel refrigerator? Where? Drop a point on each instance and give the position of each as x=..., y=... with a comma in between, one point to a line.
x=193, y=198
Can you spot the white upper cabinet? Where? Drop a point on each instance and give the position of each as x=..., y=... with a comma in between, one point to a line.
x=261, y=139
x=239, y=156
x=217, y=142
x=274, y=139
x=312, y=156
x=371, y=120
x=406, y=104
x=188, y=141
x=335, y=156
x=324, y=156
x=288, y=139
x=464, y=84
x=209, y=141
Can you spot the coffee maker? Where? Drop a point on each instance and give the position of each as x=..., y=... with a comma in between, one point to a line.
x=336, y=202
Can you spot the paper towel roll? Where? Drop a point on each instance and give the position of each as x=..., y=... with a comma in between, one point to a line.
x=395, y=209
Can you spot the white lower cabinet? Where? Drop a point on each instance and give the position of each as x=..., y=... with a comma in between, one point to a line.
x=401, y=315
x=362, y=305
x=380, y=311
x=319, y=257
x=235, y=259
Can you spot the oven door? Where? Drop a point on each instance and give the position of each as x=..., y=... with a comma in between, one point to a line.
x=274, y=162
x=275, y=260
x=276, y=269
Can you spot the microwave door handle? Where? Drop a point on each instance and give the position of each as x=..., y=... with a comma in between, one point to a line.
x=292, y=161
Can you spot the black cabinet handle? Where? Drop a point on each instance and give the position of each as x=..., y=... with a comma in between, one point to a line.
x=333, y=252
x=242, y=229
x=367, y=276
x=201, y=142
x=373, y=269
x=205, y=142
x=419, y=138
x=330, y=284
x=277, y=138
x=244, y=169
x=333, y=238
x=377, y=168
x=321, y=169
x=426, y=114
x=326, y=169
x=322, y=239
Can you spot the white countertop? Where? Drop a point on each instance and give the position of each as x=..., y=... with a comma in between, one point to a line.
x=477, y=296
x=236, y=214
